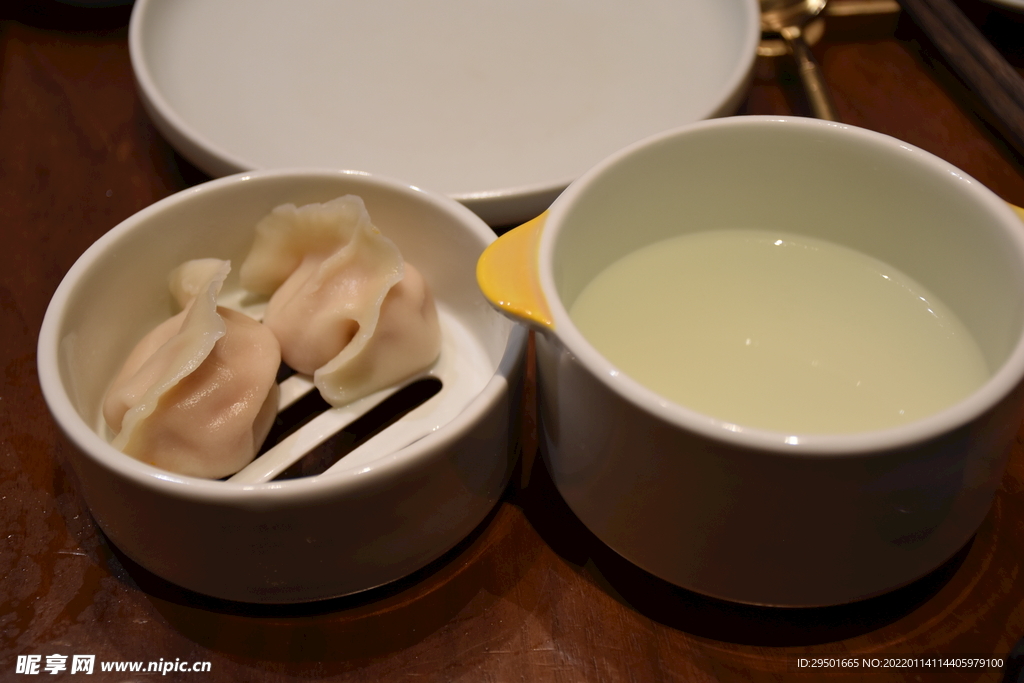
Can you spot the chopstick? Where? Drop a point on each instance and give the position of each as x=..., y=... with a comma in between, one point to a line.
x=979, y=65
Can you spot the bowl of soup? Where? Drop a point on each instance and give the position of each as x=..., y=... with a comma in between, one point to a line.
x=779, y=359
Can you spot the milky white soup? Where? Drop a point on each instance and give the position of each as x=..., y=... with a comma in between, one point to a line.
x=781, y=332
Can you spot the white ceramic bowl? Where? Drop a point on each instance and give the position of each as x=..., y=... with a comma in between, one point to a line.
x=292, y=540
x=746, y=514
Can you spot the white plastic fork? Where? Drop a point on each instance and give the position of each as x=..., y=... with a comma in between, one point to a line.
x=462, y=368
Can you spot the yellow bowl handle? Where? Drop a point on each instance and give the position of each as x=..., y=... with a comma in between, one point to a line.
x=508, y=275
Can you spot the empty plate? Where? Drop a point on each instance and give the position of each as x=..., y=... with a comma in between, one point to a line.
x=499, y=104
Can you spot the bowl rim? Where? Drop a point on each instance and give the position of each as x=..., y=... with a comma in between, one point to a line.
x=419, y=453
x=874, y=442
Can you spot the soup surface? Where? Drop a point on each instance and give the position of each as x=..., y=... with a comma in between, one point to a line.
x=779, y=331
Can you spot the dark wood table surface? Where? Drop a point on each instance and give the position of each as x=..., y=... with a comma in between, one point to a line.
x=531, y=595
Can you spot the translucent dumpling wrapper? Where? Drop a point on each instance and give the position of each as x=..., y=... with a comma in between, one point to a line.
x=198, y=394
x=345, y=306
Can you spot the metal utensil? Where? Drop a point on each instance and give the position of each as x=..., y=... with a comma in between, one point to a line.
x=787, y=18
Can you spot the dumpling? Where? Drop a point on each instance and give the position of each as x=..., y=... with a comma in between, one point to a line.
x=344, y=305
x=198, y=394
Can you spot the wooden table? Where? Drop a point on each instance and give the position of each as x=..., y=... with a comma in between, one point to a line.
x=531, y=595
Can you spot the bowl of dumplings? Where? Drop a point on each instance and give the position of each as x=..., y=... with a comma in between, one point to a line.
x=285, y=386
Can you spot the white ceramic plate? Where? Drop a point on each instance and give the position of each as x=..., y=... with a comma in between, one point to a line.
x=497, y=103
